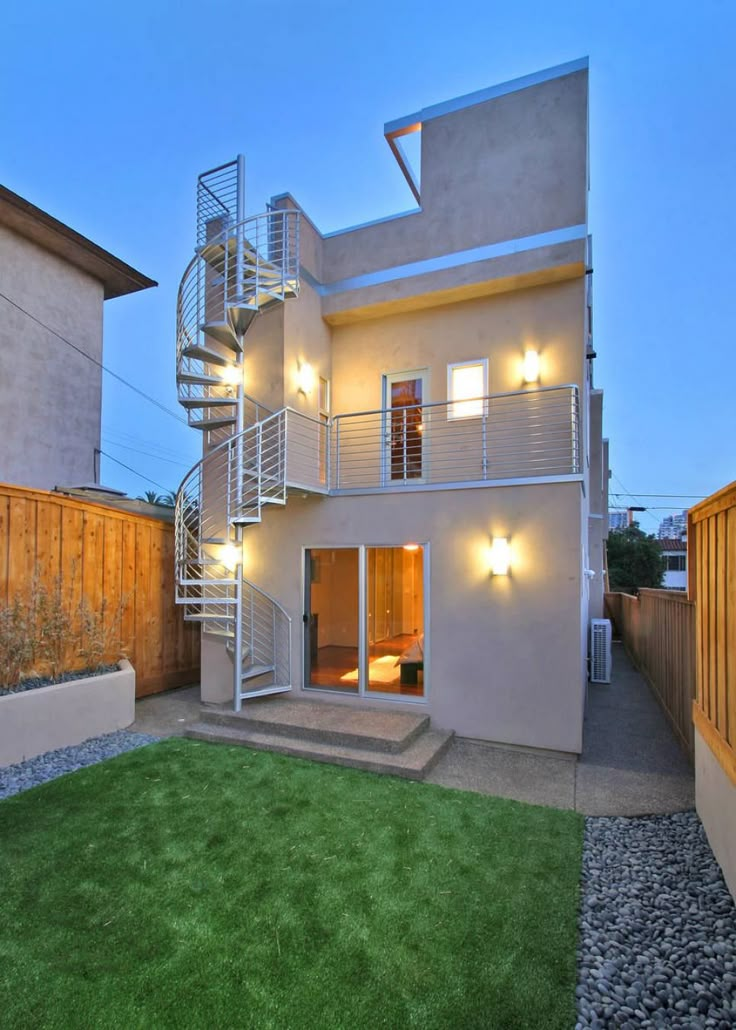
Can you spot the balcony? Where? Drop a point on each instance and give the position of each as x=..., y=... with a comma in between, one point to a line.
x=524, y=435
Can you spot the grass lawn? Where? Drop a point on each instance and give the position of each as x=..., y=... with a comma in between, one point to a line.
x=195, y=885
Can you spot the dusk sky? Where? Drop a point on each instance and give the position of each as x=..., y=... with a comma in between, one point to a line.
x=109, y=112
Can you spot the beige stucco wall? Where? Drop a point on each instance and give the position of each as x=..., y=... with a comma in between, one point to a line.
x=512, y=166
x=715, y=800
x=503, y=655
x=50, y=396
x=500, y=328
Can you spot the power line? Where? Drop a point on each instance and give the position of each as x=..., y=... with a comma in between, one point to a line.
x=94, y=361
x=135, y=473
x=156, y=457
x=686, y=497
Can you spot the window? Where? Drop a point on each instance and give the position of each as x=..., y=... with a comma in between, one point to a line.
x=467, y=384
x=675, y=562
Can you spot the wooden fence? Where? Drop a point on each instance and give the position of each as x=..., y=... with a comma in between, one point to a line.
x=99, y=551
x=658, y=631
x=712, y=585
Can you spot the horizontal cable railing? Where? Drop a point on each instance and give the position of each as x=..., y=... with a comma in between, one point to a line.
x=518, y=435
x=267, y=629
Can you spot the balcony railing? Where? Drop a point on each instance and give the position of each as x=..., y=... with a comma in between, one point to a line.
x=525, y=434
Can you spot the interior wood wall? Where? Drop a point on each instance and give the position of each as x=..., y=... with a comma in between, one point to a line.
x=99, y=552
x=712, y=585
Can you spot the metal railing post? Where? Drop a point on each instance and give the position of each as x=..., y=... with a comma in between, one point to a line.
x=337, y=455
x=238, y=639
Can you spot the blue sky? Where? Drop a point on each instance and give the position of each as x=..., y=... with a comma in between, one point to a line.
x=109, y=112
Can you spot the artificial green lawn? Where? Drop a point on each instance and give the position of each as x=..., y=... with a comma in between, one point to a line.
x=195, y=885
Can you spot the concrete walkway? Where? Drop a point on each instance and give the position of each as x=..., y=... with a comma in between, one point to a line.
x=631, y=763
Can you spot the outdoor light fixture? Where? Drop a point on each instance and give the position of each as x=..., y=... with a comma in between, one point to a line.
x=230, y=556
x=531, y=366
x=500, y=556
x=232, y=375
x=411, y=547
x=305, y=378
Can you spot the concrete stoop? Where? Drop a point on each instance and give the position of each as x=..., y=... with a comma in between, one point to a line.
x=397, y=743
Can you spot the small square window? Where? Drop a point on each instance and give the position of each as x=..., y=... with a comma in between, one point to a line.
x=467, y=385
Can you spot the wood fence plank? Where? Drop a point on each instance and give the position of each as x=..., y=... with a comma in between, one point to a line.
x=102, y=552
x=729, y=574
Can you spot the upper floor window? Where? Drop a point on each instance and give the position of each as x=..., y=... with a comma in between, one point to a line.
x=467, y=384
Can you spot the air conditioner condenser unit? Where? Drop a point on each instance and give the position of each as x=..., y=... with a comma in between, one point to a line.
x=600, y=650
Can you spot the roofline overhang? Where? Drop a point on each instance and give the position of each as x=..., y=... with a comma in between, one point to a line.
x=117, y=277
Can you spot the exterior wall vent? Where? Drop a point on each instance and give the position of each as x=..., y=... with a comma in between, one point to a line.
x=600, y=650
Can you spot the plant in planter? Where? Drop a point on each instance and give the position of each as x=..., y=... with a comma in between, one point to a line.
x=45, y=637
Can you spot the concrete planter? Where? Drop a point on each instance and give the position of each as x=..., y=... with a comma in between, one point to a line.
x=62, y=714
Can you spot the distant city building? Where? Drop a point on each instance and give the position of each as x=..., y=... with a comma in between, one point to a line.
x=674, y=552
x=673, y=527
x=618, y=519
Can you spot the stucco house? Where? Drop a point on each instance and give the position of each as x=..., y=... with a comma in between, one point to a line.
x=402, y=499
x=674, y=553
x=53, y=283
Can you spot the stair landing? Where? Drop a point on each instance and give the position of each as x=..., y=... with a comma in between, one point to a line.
x=398, y=743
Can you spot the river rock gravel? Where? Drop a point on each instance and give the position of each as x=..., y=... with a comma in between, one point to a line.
x=15, y=778
x=657, y=927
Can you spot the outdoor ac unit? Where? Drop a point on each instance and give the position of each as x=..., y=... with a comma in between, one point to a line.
x=600, y=650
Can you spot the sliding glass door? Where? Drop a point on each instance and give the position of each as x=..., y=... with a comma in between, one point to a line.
x=364, y=620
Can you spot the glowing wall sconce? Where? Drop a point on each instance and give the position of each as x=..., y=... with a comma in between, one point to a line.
x=500, y=556
x=411, y=547
x=531, y=366
x=230, y=556
x=305, y=378
x=232, y=375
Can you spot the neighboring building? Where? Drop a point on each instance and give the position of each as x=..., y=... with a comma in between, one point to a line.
x=618, y=519
x=51, y=278
x=674, y=553
x=421, y=521
x=673, y=527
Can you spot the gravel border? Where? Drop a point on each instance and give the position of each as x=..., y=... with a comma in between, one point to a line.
x=657, y=940
x=23, y=775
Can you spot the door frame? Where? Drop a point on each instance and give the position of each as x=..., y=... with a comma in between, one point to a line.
x=388, y=379
x=362, y=693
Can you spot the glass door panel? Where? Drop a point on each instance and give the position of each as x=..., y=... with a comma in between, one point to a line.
x=395, y=614
x=332, y=622
x=405, y=394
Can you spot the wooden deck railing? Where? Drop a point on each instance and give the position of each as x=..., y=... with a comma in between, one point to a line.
x=712, y=584
x=100, y=551
x=658, y=631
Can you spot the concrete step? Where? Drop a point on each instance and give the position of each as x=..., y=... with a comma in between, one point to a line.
x=413, y=763
x=324, y=723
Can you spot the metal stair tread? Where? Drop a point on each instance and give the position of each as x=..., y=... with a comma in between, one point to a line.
x=211, y=357
x=373, y=729
x=212, y=423
x=251, y=672
x=198, y=379
x=412, y=763
x=206, y=402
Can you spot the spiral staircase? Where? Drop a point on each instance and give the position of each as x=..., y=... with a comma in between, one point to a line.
x=241, y=267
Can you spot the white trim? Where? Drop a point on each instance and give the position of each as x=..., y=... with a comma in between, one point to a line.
x=519, y=245
x=489, y=93
x=462, y=485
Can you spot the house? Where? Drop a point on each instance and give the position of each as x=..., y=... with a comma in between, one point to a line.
x=674, y=553
x=53, y=283
x=402, y=500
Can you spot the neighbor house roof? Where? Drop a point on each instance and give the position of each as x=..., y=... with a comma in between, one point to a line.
x=48, y=232
x=673, y=545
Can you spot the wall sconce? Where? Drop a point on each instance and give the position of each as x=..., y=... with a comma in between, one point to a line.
x=232, y=375
x=305, y=378
x=230, y=556
x=500, y=556
x=411, y=547
x=531, y=366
